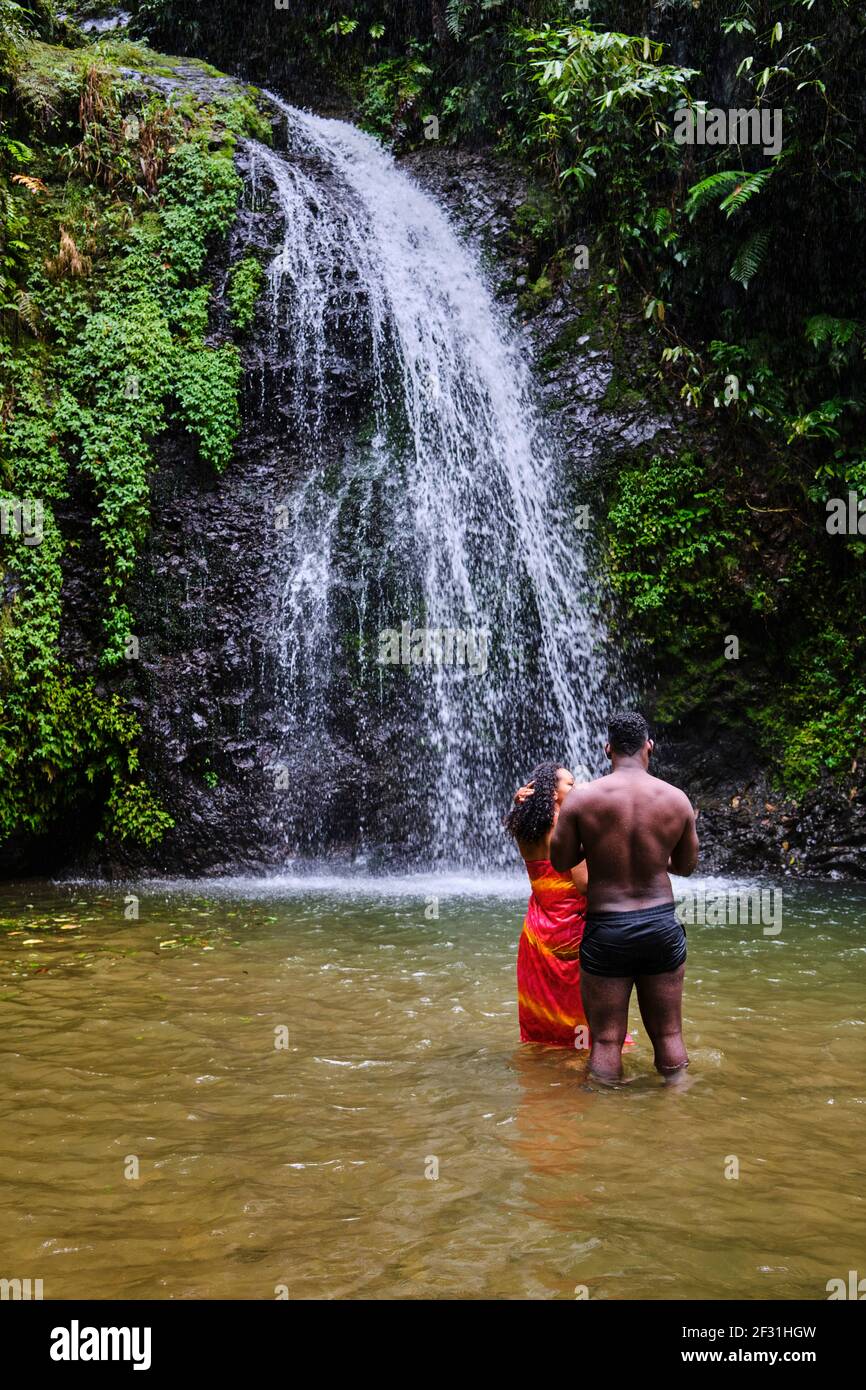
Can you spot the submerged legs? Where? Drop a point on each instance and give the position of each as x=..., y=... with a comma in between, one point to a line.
x=661, y=1007
x=605, y=1002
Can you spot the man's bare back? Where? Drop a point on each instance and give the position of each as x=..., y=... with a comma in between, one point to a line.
x=632, y=828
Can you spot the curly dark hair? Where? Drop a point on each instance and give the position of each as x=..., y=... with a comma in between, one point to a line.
x=531, y=821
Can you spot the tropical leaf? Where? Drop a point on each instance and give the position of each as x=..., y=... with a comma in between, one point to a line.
x=820, y=423
x=455, y=13
x=33, y=184
x=28, y=311
x=750, y=257
x=748, y=187
x=711, y=189
x=824, y=328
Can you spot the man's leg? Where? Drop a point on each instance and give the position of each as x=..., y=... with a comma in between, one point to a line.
x=661, y=1007
x=605, y=1003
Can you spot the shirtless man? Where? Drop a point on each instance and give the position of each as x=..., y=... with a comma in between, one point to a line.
x=631, y=828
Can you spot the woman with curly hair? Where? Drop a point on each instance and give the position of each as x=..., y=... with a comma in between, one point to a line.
x=548, y=965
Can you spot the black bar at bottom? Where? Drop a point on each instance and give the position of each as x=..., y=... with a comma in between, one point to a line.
x=67, y=1339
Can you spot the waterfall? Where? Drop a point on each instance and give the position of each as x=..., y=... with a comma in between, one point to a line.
x=435, y=629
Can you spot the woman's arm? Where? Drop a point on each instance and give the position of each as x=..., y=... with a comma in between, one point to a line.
x=580, y=877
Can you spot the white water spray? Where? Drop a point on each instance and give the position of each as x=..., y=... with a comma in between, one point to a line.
x=445, y=512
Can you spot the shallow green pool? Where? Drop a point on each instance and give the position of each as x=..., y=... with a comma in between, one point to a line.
x=286, y=1066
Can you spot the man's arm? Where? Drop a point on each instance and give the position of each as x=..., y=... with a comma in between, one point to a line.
x=684, y=855
x=566, y=849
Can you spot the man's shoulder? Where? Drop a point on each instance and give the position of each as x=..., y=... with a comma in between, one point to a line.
x=581, y=790
x=671, y=793
x=609, y=786
x=586, y=794
x=579, y=795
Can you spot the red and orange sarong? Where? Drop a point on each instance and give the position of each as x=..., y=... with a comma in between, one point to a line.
x=548, y=968
x=548, y=961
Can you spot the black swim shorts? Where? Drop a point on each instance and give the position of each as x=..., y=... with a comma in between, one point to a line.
x=647, y=941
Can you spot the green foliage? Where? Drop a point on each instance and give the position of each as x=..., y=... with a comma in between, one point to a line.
x=750, y=257
x=747, y=188
x=602, y=116
x=455, y=13
x=132, y=812
x=105, y=342
x=12, y=32
x=813, y=719
x=246, y=278
x=199, y=193
x=711, y=190
x=70, y=744
x=687, y=554
x=391, y=89
x=781, y=358
x=671, y=537
x=206, y=386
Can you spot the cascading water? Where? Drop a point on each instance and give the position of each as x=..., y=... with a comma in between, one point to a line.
x=435, y=629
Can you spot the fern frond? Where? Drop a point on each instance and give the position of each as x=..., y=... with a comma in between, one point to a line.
x=750, y=257
x=711, y=189
x=454, y=17
x=748, y=187
x=33, y=184
x=28, y=311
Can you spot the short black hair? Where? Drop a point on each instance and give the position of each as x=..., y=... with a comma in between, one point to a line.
x=627, y=732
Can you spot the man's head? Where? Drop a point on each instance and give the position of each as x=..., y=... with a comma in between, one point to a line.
x=628, y=738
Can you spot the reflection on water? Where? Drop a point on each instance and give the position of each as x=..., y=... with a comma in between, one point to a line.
x=260, y=1165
